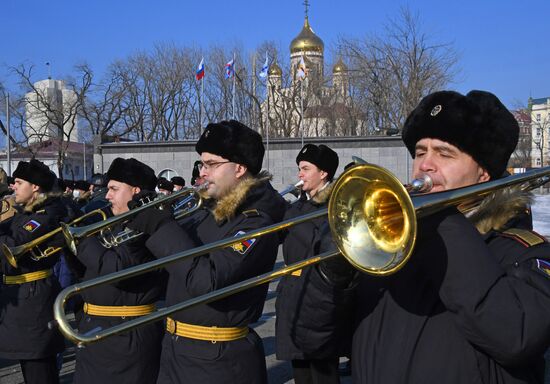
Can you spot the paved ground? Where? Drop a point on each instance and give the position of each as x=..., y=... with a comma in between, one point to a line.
x=279, y=372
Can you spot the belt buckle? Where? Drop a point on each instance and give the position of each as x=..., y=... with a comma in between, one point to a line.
x=170, y=326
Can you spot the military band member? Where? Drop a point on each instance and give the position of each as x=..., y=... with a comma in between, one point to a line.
x=196, y=178
x=81, y=193
x=164, y=186
x=472, y=305
x=29, y=290
x=179, y=182
x=315, y=359
x=212, y=343
x=133, y=356
x=98, y=186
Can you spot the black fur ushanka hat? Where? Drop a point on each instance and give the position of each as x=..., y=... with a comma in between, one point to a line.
x=36, y=172
x=478, y=124
x=235, y=142
x=83, y=185
x=132, y=172
x=165, y=184
x=322, y=156
x=178, y=180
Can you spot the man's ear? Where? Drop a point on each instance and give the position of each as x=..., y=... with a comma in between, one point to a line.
x=240, y=170
x=483, y=175
x=324, y=176
x=35, y=188
x=136, y=190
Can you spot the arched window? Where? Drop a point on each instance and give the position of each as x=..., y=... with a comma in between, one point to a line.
x=167, y=173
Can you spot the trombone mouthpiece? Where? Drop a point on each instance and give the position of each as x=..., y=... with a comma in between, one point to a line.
x=299, y=183
x=421, y=185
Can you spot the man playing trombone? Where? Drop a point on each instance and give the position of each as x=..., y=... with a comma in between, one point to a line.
x=472, y=305
x=29, y=290
x=212, y=343
x=314, y=360
x=131, y=357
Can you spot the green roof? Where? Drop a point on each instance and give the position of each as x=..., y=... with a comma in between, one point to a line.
x=542, y=100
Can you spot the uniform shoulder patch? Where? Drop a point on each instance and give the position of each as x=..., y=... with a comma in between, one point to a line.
x=31, y=225
x=543, y=266
x=244, y=245
x=524, y=236
x=251, y=213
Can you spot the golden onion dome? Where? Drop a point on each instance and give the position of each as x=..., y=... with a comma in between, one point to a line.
x=339, y=67
x=307, y=40
x=275, y=70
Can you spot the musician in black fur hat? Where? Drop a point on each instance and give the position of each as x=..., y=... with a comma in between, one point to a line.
x=179, y=182
x=165, y=186
x=29, y=289
x=213, y=343
x=134, y=356
x=314, y=359
x=473, y=302
x=98, y=187
x=477, y=124
x=317, y=165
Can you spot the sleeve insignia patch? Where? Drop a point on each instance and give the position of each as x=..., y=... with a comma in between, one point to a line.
x=243, y=246
x=544, y=266
x=31, y=226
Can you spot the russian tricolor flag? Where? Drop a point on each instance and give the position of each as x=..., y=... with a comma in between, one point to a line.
x=200, y=70
x=229, y=69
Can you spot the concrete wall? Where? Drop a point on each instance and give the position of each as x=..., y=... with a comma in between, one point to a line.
x=179, y=156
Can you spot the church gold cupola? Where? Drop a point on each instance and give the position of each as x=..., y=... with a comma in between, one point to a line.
x=310, y=46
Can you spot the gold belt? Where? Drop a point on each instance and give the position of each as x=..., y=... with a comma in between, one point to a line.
x=199, y=332
x=27, y=277
x=118, y=311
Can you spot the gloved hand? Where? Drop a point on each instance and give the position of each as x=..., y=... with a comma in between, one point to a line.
x=142, y=197
x=337, y=271
x=149, y=220
x=427, y=226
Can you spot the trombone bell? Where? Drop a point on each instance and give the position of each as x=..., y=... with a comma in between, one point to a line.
x=372, y=219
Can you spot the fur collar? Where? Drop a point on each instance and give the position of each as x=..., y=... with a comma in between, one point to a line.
x=323, y=195
x=40, y=202
x=226, y=208
x=499, y=208
x=85, y=196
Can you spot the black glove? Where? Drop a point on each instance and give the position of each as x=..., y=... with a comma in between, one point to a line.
x=149, y=220
x=337, y=271
x=143, y=197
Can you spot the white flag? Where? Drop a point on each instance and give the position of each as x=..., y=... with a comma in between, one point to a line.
x=301, y=73
x=263, y=72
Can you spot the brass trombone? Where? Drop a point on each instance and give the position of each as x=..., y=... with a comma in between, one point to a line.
x=372, y=219
x=191, y=202
x=6, y=206
x=13, y=254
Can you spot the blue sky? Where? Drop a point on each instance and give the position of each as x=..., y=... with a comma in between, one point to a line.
x=503, y=45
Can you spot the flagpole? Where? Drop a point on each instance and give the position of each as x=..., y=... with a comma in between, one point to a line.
x=254, y=87
x=302, y=109
x=267, y=119
x=202, y=112
x=233, y=98
x=200, y=106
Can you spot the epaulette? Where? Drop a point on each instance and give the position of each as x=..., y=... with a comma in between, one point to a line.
x=251, y=213
x=524, y=236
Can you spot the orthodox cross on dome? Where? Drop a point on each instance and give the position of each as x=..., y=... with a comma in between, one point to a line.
x=306, y=6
